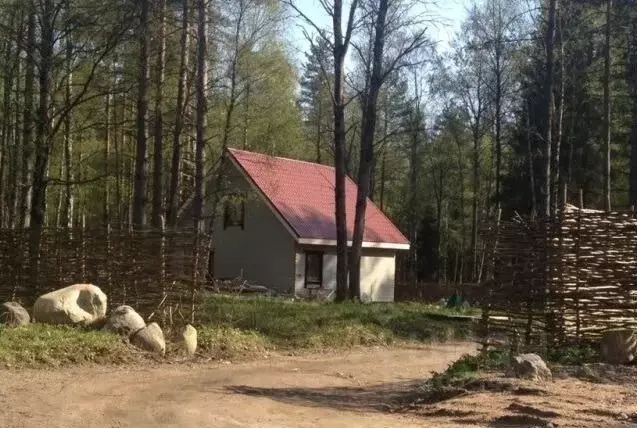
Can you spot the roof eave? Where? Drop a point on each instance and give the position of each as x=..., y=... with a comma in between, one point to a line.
x=366, y=244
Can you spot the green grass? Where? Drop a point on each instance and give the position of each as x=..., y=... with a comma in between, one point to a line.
x=36, y=345
x=284, y=324
x=469, y=366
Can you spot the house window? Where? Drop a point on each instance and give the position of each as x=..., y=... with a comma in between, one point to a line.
x=313, y=269
x=234, y=212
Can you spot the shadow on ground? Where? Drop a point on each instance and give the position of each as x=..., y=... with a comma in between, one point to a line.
x=401, y=397
x=389, y=397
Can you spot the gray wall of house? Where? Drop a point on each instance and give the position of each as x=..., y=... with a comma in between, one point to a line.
x=378, y=269
x=263, y=252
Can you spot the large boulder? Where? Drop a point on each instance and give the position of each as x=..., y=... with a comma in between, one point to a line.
x=619, y=346
x=13, y=314
x=150, y=338
x=124, y=321
x=188, y=339
x=78, y=304
x=531, y=366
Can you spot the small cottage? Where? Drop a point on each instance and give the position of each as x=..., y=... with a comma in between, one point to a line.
x=278, y=229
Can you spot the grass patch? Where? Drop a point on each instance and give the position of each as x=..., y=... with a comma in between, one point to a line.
x=284, y=324
x=38, y=344
x=469, y=366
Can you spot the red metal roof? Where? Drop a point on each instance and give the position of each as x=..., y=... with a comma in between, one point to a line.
x=303, y=194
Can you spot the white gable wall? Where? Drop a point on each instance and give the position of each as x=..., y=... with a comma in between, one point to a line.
x=378, y=269
x=263, y=252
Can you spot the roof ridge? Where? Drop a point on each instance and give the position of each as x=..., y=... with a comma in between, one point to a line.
x=280, y=157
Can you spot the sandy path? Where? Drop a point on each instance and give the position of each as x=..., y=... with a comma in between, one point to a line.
x=338, y=390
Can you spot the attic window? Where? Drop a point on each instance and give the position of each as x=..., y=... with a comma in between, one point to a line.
x=234, y=212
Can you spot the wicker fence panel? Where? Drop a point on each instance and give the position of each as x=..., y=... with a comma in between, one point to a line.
x=150, y=269
x=564, y=279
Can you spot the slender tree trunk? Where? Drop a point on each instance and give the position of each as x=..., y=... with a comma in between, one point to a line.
x=141, y=159
x=531, y=164
x=498, y=126
x=246, y=117
x=43, y=136
x=9, y=72
x=414, y=167
x=28, y=120
x=319, y=132
x=367, y=149
x=548, y=94
x=607, y=107
x=557, y=204
x=201, y=112
x=340, y=47
x=68, y=202
x=175, y=171
x=632, y=83
x=158, y=158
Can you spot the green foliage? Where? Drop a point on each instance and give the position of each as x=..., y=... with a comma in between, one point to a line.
x=38, y=344
x=468, y=367
x=314, y=325
x=575, y=355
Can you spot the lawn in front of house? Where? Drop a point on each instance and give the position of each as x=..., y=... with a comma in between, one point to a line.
x=279, y=323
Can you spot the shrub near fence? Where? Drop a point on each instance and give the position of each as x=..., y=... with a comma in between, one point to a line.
x=565, y=279
x=149, y=269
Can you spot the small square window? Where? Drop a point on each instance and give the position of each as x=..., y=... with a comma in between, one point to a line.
x=234, y=212
x=313, y=269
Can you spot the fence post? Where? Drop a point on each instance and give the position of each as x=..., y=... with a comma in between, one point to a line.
x=195, y=274
x=162, y=270
x=83, y=248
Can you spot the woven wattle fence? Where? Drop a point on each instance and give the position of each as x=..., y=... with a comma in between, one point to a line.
x=151, y=270
x=564, y=279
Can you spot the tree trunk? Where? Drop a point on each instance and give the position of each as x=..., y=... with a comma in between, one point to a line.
x=44, y=138
x=175, y=170
x=607, y=111
x=367, y=149
x=632, y=84
x=340, y=47
x=66, y=216
x=557, y=204
x=141, y=159
x=548, y=94
x=9, y=71
x=27, y=121
x=531, y=164
x=201, y=113
x=158, y=158
x=413, y=189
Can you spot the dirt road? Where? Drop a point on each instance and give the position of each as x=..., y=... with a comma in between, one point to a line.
x=336, y=390
x=361, y=388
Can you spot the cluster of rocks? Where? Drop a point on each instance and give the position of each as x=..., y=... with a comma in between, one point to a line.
x=86, y=305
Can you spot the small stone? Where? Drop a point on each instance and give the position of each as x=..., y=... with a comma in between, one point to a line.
x=189, y=340
x=124, y=321
x=531, y=366
x=150, y=338
x=14, y=315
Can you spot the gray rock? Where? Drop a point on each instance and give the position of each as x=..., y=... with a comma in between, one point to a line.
x=14, y=315
x=150, y=338
x=531, y=366
x=124, y=321
x=82, y=304
x=188, y=340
